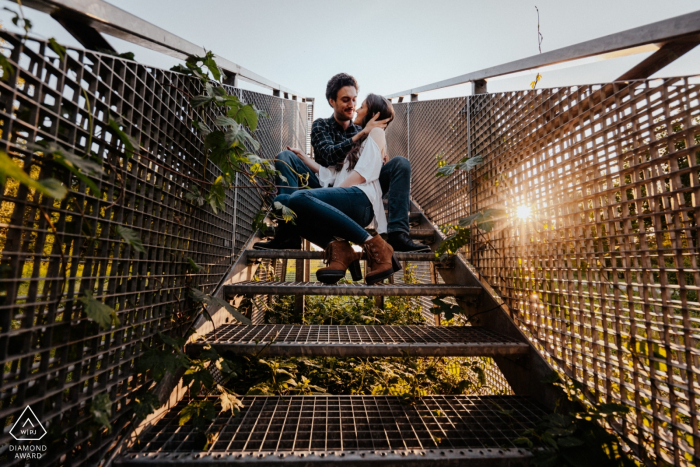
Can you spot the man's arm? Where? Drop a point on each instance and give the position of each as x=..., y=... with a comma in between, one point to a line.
x=326, y=152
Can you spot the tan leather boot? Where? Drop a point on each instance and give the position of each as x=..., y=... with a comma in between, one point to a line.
x=339, y=256
x=381, y=262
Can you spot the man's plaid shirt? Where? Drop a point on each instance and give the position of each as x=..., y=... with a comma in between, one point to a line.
x=331, y=143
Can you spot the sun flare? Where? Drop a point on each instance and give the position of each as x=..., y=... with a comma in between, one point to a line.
x=523, y=212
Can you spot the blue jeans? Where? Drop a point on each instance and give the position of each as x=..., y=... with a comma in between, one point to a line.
x=395, y=180
x=287, y=163
x=325, y=213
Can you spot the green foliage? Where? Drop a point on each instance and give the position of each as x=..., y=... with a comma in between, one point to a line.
x=58, y=48
x=200, y=412
x=447, y=309
x=466, y=164
x=573, y=436
x=195, y=196
x=99, y=312
x=48, y=186
x=217, y=195
x=19, y=18
x=129, y=143
x=195, y=267
x=131, y=237
x=81, y=167
x=146, y=404
x=101, y=409
x=459, y=235
x=287, y=214
x=162, y=360
x=216, y=303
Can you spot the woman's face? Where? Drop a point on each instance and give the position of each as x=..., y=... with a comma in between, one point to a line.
x=361, y=112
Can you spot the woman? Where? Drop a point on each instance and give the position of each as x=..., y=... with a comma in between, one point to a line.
x=350, y=198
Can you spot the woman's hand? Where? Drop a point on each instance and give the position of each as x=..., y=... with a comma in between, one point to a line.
x=310, y=163
x=296, y=151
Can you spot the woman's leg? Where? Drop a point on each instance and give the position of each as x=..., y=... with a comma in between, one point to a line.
x=325, y=213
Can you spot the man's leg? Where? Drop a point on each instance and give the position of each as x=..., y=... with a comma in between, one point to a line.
x=395, y=180
x=293, y=170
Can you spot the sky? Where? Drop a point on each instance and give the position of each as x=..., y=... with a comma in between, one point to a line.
x=390, y=45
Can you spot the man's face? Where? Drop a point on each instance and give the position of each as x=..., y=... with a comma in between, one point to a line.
x=344, y=105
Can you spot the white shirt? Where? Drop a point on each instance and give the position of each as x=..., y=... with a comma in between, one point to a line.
x=368, y=165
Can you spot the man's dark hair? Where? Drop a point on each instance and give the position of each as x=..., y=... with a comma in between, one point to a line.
x=339, y=81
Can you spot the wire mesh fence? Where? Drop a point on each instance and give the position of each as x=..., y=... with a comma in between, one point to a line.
x=53, y=251
x=596, y=255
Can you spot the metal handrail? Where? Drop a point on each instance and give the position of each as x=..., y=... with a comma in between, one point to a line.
x=109, y=19
x=654, y=33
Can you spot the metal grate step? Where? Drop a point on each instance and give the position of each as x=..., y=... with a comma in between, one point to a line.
x=348, y=430
x=299, y=254
x=354, y=341
x=355, y=289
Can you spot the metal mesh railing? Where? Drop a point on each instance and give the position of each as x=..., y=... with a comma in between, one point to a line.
x=597, y=255
x=53, y=358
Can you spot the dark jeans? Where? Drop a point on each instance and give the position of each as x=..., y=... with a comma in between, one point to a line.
x=395, y=180
x=325, y=213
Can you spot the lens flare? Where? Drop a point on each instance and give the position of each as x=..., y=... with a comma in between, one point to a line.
x=523, y=212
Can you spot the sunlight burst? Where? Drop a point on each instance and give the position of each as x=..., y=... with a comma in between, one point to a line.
x=523, y=212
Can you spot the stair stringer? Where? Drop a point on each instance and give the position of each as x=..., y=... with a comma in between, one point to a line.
x=525, y=373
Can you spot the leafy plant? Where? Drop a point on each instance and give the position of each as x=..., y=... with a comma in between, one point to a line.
x=101, y=409
x=99, y=312
x=131, y=237
x=573, y=436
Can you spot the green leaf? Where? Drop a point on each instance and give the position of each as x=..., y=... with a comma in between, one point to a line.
x=199, y=378
x=80, y=166
x=202, y=127
x=522, y=441
x=127, y=55
x=199, y=101
x=471, y=163
x=247, y=116
x=129, y=143
x=195, y=267
x=48, y=187
x=217, y=195
x=216, y=303
x=211, y=64
x=7, y=68
x=287, y=214
x=237, y=135
x=101, y=409
x=99, y=312
x=132, y=238
x=200, y=413
x=440, y=306
x=446, y=170
x=551, y=378
x=145, y=405
x=58, y=48
x=195, y=196
x=223, y=120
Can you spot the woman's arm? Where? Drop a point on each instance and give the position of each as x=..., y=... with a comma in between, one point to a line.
x=353, y=179
x=310, y=163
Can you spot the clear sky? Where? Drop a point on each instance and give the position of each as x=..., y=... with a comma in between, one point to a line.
x=391, y=45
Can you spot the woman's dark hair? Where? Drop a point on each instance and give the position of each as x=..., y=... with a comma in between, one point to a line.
x=375, y=104
x=339, y=81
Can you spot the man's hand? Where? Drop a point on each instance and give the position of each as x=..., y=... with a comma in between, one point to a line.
x=374, y=123
x=296, y=151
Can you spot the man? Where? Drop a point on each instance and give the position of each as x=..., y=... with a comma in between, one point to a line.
x=331, y=139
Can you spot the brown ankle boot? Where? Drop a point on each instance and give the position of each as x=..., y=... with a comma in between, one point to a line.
x=339, y=256
x=381, y=262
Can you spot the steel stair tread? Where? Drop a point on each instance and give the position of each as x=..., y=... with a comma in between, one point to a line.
x=377, y=340
x=299, y=254
x=347, y=430
x=348, y=289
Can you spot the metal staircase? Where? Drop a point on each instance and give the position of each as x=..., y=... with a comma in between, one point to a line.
x=379, y=430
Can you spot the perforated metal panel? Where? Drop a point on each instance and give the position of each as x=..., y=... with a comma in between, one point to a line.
x=602, y=274
x=53, y=357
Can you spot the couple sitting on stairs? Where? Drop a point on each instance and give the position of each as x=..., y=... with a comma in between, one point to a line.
x=348, y=177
